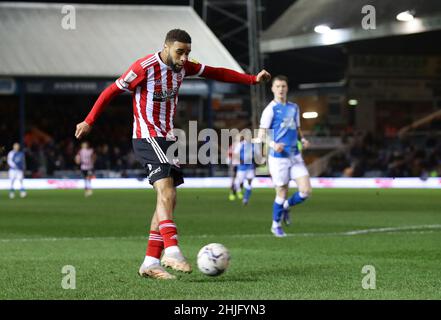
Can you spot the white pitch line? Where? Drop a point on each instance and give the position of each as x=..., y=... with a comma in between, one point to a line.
x=392, y=229
x=429, y=228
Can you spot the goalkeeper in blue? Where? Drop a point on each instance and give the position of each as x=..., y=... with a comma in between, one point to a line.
x=246, y=153
x=280, y=128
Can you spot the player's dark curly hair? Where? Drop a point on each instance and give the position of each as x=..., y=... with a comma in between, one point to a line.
x=178, y=35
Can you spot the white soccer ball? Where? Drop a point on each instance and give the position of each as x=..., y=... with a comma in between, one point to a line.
x=213, y=259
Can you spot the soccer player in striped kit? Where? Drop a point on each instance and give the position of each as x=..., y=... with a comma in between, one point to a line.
x=154, y=82
x=85, y=158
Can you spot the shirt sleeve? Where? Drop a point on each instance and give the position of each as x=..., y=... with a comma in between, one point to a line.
x=11, y=163
x=267, y=117
x=235, y=155
x=193, y=68
x=130, y=79
x=228, y=75
x=237, y=148
x=101, y=103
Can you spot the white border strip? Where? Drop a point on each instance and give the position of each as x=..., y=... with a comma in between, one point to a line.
x=224, y=182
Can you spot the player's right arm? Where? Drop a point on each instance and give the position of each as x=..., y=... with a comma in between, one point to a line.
x=127, y=82
x=235, y=156
x=83, y=128
x=265, y=124
x=11, y=163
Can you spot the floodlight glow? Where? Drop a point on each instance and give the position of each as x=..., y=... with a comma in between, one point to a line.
x=332, y=37
x=353, y=102
x=323, y=28
x=309, y=115
x=405, y=16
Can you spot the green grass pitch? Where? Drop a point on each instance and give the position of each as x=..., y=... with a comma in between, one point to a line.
x=104, y=238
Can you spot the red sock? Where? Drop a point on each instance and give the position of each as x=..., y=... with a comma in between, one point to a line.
x=169, y=233
x=155, y=245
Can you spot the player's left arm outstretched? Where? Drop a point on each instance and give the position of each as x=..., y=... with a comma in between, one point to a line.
x=225, y=74
x=228, y=75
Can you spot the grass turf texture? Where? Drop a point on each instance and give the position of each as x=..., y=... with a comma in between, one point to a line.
x=104, y=238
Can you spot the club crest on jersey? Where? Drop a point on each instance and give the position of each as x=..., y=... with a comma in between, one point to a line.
x=161, y=96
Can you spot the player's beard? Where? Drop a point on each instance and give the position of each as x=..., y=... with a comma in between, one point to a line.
x=175, y=68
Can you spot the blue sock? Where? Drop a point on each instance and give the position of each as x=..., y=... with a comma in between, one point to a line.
x=277, y=211
x=247, y=194
x=295, y=199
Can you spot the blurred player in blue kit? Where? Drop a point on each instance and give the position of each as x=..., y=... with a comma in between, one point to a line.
x=246, y=153
x=233, y=161
x=16, y=163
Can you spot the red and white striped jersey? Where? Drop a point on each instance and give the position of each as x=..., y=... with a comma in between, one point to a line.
x=86, y=158
x=155, y=90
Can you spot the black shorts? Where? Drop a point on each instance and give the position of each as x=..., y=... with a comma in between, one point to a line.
x=87, y=173
x=152, y=154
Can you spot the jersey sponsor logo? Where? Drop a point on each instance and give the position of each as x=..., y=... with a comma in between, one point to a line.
x=161, y=96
